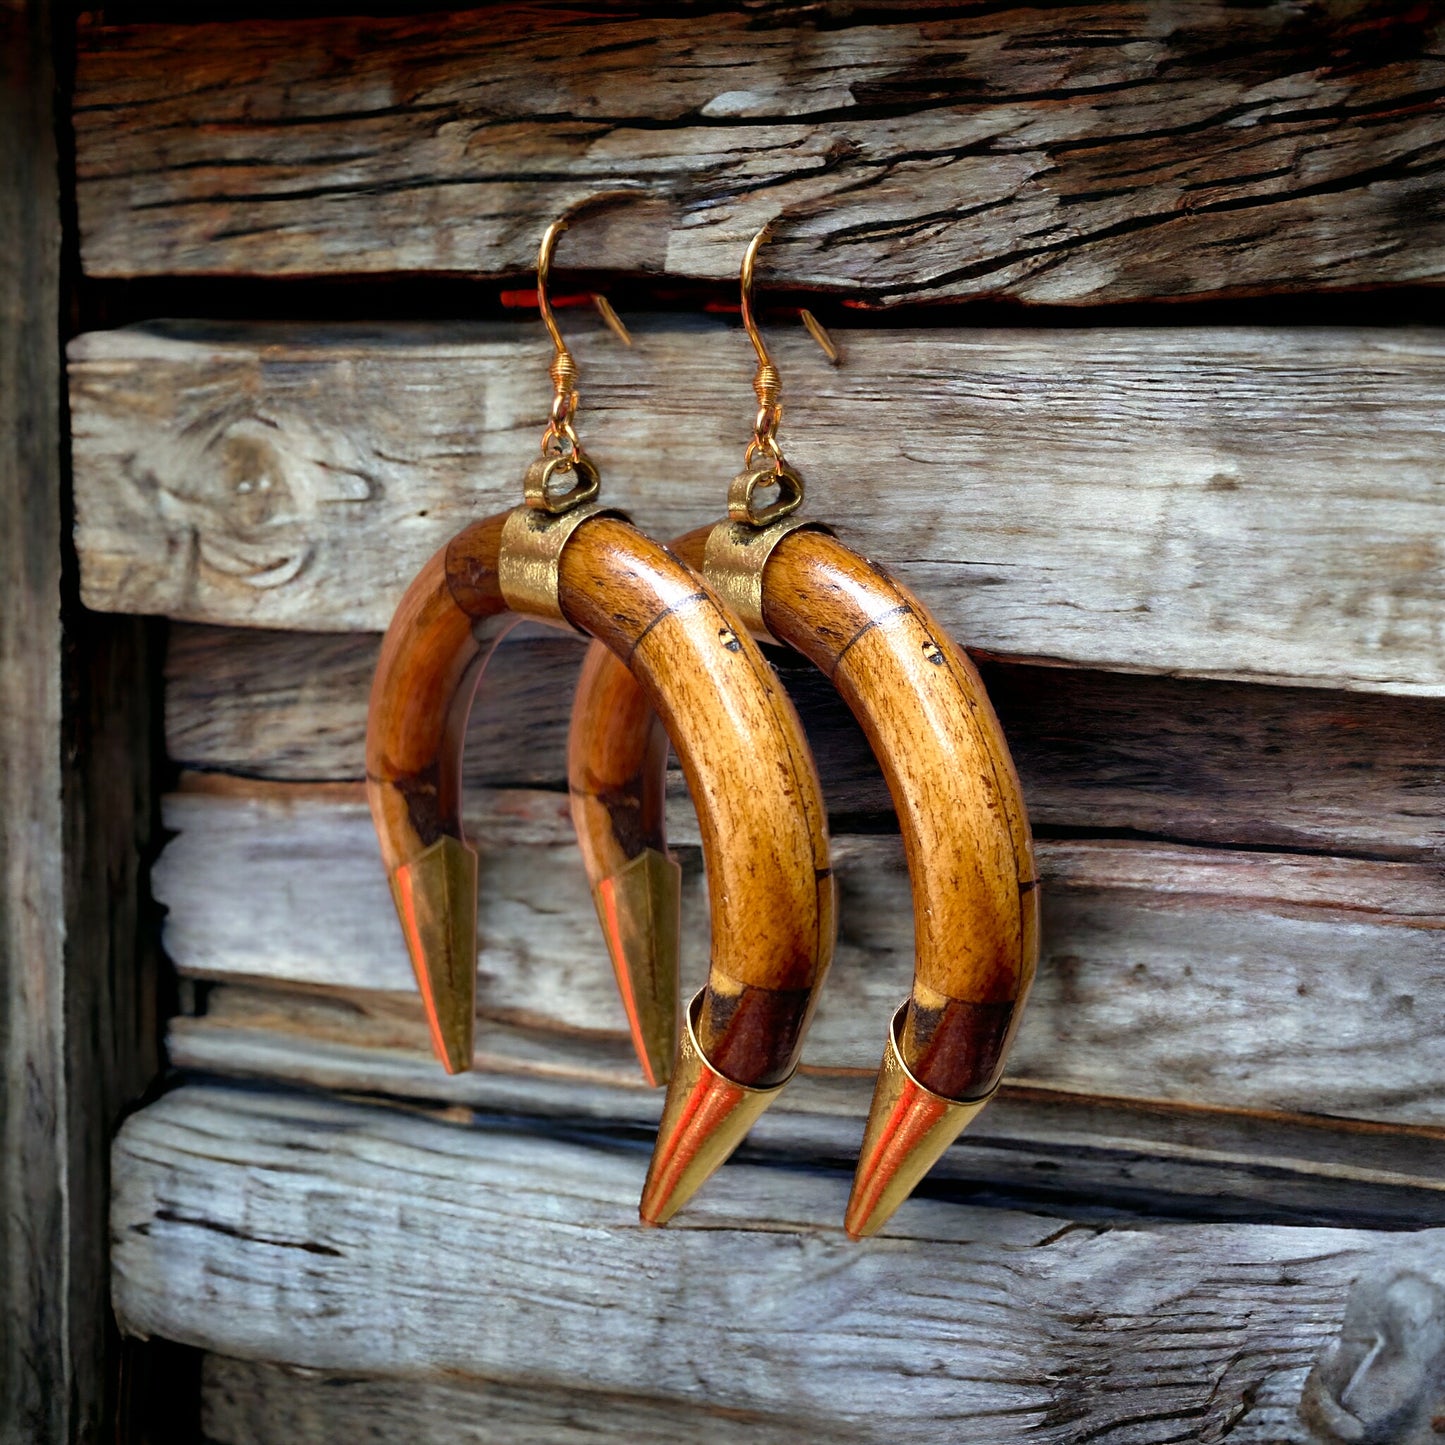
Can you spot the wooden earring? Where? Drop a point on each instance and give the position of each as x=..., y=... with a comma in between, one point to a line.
x=925, y=712
x=564, y=559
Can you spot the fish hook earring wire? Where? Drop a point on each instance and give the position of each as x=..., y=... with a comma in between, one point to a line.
x=923, y=707
x=563, y=558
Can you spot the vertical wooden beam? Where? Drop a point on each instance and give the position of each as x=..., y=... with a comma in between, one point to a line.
x=76, y=995
x=36, y=1371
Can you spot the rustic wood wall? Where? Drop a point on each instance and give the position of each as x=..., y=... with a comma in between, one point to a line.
x=77, y=977
x=1197, y=547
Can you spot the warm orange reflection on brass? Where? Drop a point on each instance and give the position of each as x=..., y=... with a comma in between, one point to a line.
x=705, y=1118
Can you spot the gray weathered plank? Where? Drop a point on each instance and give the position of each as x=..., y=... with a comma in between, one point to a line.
x=1074, y=1149
x=292, y=705
x=345, y=1238
x=247, y=1403
x=77, y=1029
x=1247, y=503
x=1060, y=153
x=39, y=1338
x=251, y=1403
x=1193, y=761
x=1234, y=978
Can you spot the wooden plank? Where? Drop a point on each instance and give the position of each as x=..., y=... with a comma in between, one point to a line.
x=39, y=1339
x=77, y=1031
x=257, y=1225
x=1199, y=762
x=247, y=1403
x=1062, y=153
x=291, y=705
x=1244, y=979
x=1236, y=502
x=1057, y=1149
x=251, y=1403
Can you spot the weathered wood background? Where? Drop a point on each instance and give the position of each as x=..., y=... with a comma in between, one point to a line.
x=77, y=987
x=1077, y=153
x=1109, y=498
x=1201, y=565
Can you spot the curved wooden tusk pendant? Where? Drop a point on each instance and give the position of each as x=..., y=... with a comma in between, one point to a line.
x=927, y=716
x=742, y=749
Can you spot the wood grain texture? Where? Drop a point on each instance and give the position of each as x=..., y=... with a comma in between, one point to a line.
x=77, y=1015
x=40, y=1336
x=1063, y=1150
x=763, y=825
x=1066, y=153
x=616, y=772
x=1190, y=761
x=255, y=1225
x=1246, y=503
x=248, y=1403
x=251, y=1403
x=1241, y=979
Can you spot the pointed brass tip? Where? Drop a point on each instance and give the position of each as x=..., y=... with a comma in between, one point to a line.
x=436, y=900
x=908, y=1129
x=640, y=907
x=704, y=1119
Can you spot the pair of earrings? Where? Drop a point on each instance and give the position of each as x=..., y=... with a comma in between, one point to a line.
x=674, y=657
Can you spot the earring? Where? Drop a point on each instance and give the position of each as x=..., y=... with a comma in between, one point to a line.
x=563, y=558
x=925, y=712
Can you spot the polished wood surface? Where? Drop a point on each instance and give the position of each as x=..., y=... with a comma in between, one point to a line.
x=923, y=707
x=431, y=661
x=764, y=829
x=618, y=773
x=735, y=731
x=927, y=717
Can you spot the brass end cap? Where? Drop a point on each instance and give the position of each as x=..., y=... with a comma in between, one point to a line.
x=909, y=1127
x=640, y=909
x=705, y=1117
x=436, y=899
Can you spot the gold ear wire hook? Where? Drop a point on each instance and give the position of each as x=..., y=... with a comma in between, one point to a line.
x=819, y=333
x=544, y=278
x=767, y=382
x=609, y=315
x=815, y=327
x=560, y=440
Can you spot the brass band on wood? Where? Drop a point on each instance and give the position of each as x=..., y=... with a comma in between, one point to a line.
x=733, y=562
x=530, y=561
